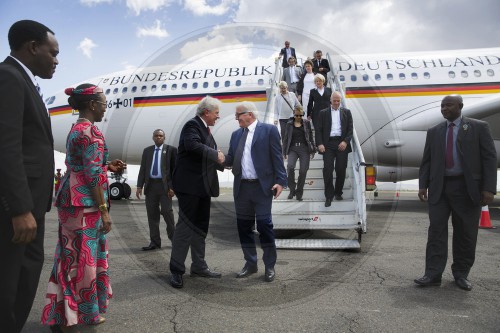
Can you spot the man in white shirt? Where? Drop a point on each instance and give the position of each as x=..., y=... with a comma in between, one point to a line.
x=286, y=53
x=292, y=74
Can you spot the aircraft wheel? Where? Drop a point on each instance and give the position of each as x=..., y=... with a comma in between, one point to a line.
x=116, y=191
x=127, y=191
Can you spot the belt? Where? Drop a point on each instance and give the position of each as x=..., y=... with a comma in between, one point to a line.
x=297, y=144
x=155, y=180
x=453, y=177
x=335, y=137
x=249, y=180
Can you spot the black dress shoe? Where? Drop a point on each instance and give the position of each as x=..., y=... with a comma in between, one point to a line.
x=269, y=275
x=150, y=247
x=246, y=271
x=290, y=196
x=328, y=202
x=176, y=280
x=299, y=197
x=464, y=284
x=206, y=273
x=338, y=197
x=427, y=281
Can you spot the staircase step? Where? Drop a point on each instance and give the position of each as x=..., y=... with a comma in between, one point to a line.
x=317, y=244
x=293, y=207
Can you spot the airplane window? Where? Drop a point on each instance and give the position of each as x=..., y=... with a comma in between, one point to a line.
x=173, y=86
x=163, y=87
x=238, y=83
x=195, y=85
x=260, y=82
x=205, y=84
x=378, y=77
x=490, y=72
x=134, y=89
x=414, y=76
x=227, y=84
x=365, y=77
x=451, y=74
x=107, y=91
x=124, y=90
x=402, y=76
x=353, y=78
x=216, y=84
x=477, y=73
x=115, y=91
x=143, y=89
x=153, y=88
x=342, y=78
x=427, y=75
x=465, y=74
x=389, y=76
x=184, y=86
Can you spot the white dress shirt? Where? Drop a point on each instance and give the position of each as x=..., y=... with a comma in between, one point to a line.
x=247, y=168
x=156, y=151
x=336, y=129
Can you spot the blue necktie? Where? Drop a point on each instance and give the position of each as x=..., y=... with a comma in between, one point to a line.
x=155, y=162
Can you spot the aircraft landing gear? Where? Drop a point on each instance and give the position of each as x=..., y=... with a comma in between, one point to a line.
x=119, y=189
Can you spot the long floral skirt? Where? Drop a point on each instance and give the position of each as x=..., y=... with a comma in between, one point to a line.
x=78, y=290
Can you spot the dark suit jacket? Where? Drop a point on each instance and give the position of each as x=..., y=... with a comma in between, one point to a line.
x=196, y=167
x=318, y=102
x=323, y=63
x=287, y=136
x=324, y=126
x=476, y=151
x=266, y=157
x=26, y=146
x=167, y=166
x=285, y=60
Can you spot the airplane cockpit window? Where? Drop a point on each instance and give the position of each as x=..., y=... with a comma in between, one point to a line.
x=402, y=76
x=353, y=78
x=365, y=77
x=163, y=87
x=427, y=75
x=378, y=77
x=238, y=83
x=173, y=86
x=144, y=88
x=490, y=72
x=477, y=73
x=153, y=88
x=465, y=74
x=115, y=91
x=341, y=77
x=451, y=74
x=50, y=100
x=389, y=76
x=124, y=90
x=414, y=76
x=195, y=85
x=184, y=86
x=205, y=84
x=260, y=82
x=216, y=84
x=107, y=91
x=227, y=84
x=134, y=89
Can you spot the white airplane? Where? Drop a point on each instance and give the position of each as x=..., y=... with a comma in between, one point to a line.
x=394, y=99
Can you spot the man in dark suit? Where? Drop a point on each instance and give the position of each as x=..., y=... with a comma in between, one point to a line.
x=155, y=174
x=286, y=53
x=459, y=173
x=195, y=182
x=321, y=66
x=259, y=173
x=27, y=167
x=333, y=137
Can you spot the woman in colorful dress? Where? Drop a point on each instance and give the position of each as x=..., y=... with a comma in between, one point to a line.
x=78, y=291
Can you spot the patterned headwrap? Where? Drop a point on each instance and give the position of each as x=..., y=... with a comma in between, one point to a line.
x=94, y=90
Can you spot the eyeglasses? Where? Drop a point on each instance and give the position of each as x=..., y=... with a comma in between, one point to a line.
x=298, y=115
x=238, y=114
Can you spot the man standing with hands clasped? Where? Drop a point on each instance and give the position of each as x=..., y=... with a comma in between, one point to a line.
x=458, y=175
x=155, y=174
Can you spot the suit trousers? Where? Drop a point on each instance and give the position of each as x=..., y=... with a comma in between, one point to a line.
x=334, y=159
x=251, y=205
x=156, y=198
x=464, y=219
x=190, y=232
x=19, y=280
x=283, y=128
x=302, y=154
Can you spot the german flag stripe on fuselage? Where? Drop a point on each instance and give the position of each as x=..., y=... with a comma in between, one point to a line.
x=423, y=90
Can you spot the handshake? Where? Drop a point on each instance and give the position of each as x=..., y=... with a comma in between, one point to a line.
x=220, y=157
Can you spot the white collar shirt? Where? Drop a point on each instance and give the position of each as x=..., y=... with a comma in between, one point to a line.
x=336, y=129
x=247, y=167
x=293, y=75
x=159, y=152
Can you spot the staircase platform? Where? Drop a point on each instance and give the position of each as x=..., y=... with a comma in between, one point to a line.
x=317, y=244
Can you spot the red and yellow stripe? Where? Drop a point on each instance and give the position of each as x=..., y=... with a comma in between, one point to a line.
x=257, y=96
x=63, y=109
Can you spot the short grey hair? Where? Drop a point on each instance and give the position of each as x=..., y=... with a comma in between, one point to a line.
x=319, y=76
x=283, y=84
x=208, y=104
x=248, y=107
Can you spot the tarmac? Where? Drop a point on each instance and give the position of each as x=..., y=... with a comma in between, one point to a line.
x=370, y=290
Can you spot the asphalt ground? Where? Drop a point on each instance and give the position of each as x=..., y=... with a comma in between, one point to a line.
x=315, y=290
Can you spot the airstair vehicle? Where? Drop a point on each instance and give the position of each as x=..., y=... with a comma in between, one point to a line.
x=311, y=213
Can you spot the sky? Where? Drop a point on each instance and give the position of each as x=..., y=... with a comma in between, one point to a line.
x=103, y=36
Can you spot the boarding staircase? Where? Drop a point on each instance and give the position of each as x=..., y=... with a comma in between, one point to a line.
x=311, y=213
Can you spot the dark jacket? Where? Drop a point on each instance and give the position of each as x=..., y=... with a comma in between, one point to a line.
x=324, y=127
x=167, y=166
x=287, y=137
